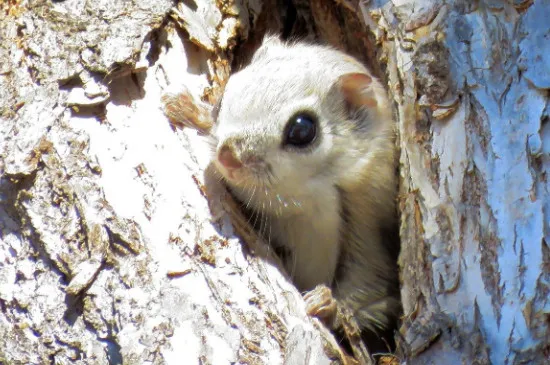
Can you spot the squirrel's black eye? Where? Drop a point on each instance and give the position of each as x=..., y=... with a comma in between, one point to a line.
x=300, y=130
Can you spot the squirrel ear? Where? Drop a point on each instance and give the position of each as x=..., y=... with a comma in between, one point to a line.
x=357, y=90
x=269, y=42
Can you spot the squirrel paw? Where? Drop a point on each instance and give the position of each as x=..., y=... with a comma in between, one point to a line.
x=321, y=304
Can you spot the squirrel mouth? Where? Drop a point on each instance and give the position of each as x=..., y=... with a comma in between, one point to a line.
x=247, y=176
x=244, y=176
x=234, y=174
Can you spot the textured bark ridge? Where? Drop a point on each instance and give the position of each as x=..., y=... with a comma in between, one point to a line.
x=472, y=99
x=110, y=254
x=108, y=251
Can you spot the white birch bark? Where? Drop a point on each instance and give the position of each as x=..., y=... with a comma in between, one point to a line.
x=108, y=251
x=471, y=81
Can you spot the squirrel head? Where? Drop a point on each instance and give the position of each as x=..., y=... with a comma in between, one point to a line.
x=298, y=116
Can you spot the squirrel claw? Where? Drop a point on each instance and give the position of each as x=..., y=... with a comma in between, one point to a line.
x=321, y=304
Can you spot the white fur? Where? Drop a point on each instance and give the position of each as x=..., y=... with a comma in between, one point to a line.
x=300, y=198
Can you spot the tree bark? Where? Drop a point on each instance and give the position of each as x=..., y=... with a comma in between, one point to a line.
x=110, y=254
x=475, y=138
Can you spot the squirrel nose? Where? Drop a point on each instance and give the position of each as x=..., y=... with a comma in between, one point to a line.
x=227, y=158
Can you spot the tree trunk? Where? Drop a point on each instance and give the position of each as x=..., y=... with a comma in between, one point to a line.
x=110, y=254
x=475, y=204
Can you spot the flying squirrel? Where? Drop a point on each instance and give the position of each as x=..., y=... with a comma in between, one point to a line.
x=304, y=138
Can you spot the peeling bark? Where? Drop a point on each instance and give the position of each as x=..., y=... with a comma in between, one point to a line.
x=475, y=223
x=109, y=253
